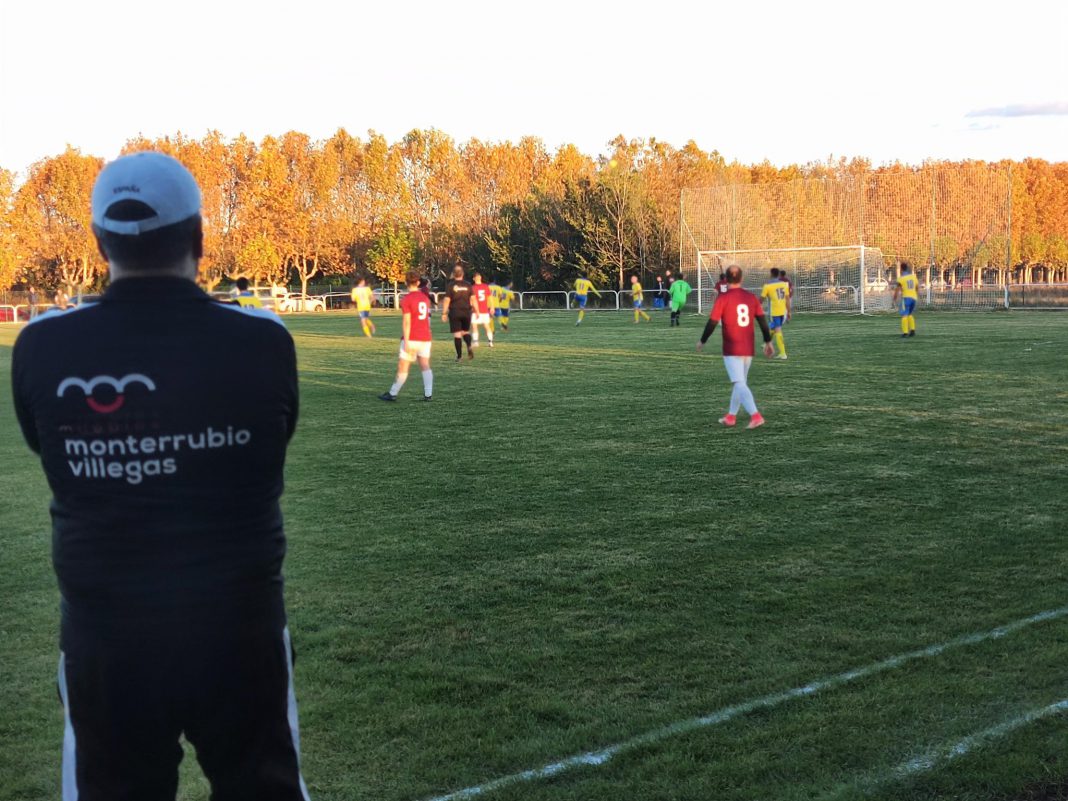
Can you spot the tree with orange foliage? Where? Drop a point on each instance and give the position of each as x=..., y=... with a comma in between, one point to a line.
x=52, y=221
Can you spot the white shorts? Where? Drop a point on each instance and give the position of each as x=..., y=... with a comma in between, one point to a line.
x=480, y=319
x=737, y=368
x=415, y=350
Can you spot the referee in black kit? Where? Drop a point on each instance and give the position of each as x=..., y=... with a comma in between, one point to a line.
x=164, y=454
x=457, y=311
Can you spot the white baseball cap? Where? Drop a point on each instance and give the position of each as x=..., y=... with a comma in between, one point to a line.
x=155, y=179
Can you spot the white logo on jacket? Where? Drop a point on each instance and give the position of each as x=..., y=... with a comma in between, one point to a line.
x=118, y=384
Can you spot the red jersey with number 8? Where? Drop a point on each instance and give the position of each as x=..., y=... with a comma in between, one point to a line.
x=417, y=304
x=736, y=311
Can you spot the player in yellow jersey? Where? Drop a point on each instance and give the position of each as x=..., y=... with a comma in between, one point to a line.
x=777, y=291
x=638, y=296
x=505, y=296
x=245, y=296
x=583, y=286
x=363, y=298
x=907, y=292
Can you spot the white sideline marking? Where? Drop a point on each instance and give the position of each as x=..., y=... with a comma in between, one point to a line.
x=594, y=758
x=947, y=753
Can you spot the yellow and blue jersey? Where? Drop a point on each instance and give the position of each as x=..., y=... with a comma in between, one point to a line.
x=777, y=292
x=584, y=286
x=249, y=299
x=909, y=284
x=362, y=297
x=494, y=297
x=504, y=297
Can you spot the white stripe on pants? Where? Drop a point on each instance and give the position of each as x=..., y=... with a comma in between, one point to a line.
x=294, y=729
x=738, y=372
x=70, y=774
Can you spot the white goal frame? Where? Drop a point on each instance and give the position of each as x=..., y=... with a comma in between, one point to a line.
x=862, y=290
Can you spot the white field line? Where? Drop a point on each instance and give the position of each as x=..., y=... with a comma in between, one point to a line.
x=947, y=753
x=600, y=757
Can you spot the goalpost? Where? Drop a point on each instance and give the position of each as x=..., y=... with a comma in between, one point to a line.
x=851, y=278
x=842, y=235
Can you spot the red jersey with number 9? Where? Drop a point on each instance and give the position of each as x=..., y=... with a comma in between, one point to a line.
x=736, y=311
x=417, y=304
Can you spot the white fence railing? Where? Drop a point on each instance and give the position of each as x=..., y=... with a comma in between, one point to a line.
x=845, y=298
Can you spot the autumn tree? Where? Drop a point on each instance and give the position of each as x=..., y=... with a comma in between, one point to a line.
x=392, y=254
x=52, y=221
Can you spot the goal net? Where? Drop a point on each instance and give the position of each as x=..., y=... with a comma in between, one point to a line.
x=828, y=279
x=843, y=234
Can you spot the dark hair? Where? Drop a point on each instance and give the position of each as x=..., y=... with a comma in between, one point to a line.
x=905, y=267
x=722, y=276
x=774, y=272
x=241, y=284
x=152, y=251
x=734, y=274
x=411, y=277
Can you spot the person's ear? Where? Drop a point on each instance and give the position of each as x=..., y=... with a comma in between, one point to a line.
x=198, y=240
x=99, y=246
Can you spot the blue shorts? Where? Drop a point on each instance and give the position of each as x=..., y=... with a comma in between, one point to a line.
x=637, y=304
x=365, y=315
x=778, y=321
x=908, y=306
x=502, y=312
x=581, y=300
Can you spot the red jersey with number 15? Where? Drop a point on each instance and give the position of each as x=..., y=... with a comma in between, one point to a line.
x=736, y=311
x=418, y=305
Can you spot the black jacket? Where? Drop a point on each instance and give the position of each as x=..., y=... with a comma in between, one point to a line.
x=162, y=418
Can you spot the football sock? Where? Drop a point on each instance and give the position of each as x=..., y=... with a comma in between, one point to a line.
x=912, y=322
x=459, y=343
x=474, y=334
x=636, y=313
x=741, y=395
x=779, y=343
x=393, y=390
x=643, y=314
x=467, y=340
x=582, y=313
x=904, y=325
x=489, y=335
x=428, y=382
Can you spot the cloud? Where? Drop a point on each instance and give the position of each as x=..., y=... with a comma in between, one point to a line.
x=1055, y=109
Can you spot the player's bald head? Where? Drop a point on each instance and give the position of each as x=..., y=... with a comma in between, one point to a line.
x=734, y=274
x=458, y=271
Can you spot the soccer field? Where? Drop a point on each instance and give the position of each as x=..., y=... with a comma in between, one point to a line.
x=561, y=580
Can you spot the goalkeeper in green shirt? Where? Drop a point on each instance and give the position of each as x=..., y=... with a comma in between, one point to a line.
x=680, y=290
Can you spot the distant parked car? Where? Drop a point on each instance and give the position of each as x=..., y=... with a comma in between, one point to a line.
x=298, y=301
x=384, y=296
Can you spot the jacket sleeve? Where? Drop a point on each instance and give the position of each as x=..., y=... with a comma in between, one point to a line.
x=292, y=386
x=20, y=393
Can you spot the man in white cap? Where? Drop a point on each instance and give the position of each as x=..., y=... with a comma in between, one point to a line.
x=164, y=455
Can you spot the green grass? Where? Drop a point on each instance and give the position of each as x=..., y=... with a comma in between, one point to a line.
x=564, y=550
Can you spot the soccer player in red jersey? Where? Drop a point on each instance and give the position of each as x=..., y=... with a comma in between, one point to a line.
x=737, y=309
x=721, y=285
x=480, y=305
x=415, y=339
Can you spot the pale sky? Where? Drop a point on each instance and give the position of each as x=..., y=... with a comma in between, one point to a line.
x=786, y=81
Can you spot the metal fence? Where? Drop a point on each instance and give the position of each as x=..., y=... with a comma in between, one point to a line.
x=1020, y=297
